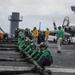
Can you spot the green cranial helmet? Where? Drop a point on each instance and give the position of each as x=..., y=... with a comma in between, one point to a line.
x=43, y=44
x=33, y=45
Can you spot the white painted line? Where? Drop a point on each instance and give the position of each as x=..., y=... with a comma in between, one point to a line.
x=16, y=68
x=64, y=70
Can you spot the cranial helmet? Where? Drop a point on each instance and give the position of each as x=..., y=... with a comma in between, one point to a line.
x=27, y=41
x=32, y=41
x=33, y=45
x=59, y=27
x=43, y=44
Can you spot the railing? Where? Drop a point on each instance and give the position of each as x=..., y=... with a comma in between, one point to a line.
x=20, y=18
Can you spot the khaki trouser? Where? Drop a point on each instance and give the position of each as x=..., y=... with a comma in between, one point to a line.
x=59, y=43
x=35, y=40
x=46, y=40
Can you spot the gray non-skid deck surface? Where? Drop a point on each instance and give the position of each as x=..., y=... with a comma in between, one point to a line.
x=9, y=49
x=39, y=74
x=14, y=55
x=28, y=74
x=11, y=56
x=13, y=63
x=65, y=59
x=9, y=53
x=54, y=46
x=12, y=45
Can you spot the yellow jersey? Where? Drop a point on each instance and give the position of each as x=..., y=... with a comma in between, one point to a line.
x=35, y=33
x=47, y=33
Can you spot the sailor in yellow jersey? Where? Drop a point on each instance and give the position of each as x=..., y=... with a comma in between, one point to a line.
x=47, y=35
x=35, y=34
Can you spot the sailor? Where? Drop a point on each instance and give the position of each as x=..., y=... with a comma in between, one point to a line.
x=33, y=51
x=35, y=34
x=44, y=57
x=41, y=37
x=21, y=36
x=47, y=35
x=28, y=33
x=21, y=33
x=21, y=44
x=60, y=37
x=25, y=47
x=24, y=43
x=16, y=32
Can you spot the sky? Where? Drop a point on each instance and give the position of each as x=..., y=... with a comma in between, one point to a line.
x=36, y=11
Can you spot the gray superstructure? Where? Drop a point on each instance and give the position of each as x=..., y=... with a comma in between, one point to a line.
x=14, y=22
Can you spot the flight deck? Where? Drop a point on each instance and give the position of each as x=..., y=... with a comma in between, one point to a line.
x=12, y=63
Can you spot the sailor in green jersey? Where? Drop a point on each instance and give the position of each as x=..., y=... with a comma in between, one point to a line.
x=44, y=58
x=60, y=37
x=33, y=50
x=21, y=33
x=19, y=40
x=22, y=44
x=26, y=47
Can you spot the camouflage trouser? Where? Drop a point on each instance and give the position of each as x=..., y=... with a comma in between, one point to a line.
x=59, y=43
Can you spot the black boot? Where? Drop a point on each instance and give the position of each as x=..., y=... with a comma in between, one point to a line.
x=58, y=51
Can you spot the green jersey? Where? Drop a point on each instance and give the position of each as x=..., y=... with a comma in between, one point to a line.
x=34, y=53
x=45, y=53
x=27, y=48
x=60, y=34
